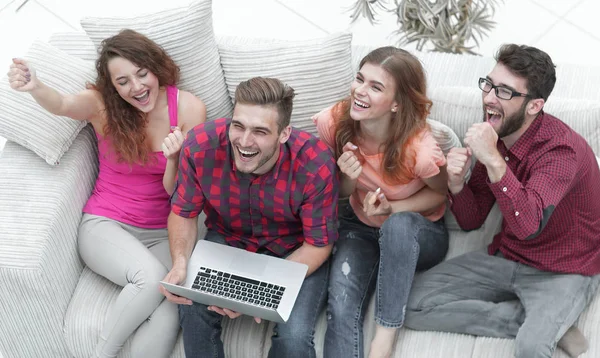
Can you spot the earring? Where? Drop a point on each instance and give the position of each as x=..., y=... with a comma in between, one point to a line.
x=394, y=109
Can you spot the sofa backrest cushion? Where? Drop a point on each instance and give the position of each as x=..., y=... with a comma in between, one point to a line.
x=319, y=70
x=76, y=44
x=187, y=35
x=460, y=107
x=25, y=122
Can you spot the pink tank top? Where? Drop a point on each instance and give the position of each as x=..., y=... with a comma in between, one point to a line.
x=133, y=194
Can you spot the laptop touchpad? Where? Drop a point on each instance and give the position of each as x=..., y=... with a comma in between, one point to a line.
x=251, y=264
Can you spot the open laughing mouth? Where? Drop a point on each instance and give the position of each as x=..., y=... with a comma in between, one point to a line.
x=361, y=104
x=143, y=98
x=492, y=116
x=245, y=154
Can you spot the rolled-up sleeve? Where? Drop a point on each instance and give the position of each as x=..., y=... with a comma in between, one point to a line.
x=187, y=200
x=319, y=209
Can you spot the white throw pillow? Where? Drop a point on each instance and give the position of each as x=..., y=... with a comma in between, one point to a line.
x=187, y=35
x=76, y=44
x=457, y=107
x=25, y=122
x=444, y=135
x=320, y=71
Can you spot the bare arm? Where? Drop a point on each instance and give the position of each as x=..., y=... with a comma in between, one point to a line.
x=186, y=205
x=423, y=200
x=192, y=112
x=85, y=105
x=347, y=185
x=311, y=255
x=438, y=182
x=182, y=236
x=431, y=196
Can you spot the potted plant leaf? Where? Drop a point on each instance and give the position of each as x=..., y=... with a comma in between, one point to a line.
x=455, y=26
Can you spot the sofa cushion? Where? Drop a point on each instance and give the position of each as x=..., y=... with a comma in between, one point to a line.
x=444, y=135
x=320, y=70
x=76, y=44
x=460, y=107
x=95, y=295
x=186, y=34
x=457, y=107
x=40, y=210
x=25, y=122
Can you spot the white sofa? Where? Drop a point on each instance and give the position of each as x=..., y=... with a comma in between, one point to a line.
x=52, y=306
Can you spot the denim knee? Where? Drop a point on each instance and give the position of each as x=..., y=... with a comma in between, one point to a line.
x=400, y=229
x=292, y=340
x=195, y=311
x=294, y=331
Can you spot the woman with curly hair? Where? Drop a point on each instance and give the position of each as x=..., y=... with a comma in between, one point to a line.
x=394, y=173
x=140, y=119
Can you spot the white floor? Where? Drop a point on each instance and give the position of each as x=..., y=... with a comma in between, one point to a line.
x=567, y=29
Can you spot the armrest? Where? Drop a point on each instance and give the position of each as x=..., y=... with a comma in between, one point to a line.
x=40, y=207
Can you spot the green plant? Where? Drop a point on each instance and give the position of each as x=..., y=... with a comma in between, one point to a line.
x=454, y=26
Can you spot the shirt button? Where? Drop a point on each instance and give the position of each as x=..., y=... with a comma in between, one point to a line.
x=506, y=159
x=516, y=213
x=504, y=189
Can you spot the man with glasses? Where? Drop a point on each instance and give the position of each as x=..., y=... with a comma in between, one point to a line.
x=542, y=269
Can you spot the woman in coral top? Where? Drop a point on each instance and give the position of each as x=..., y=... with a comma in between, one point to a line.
x=140, y=118
x=394, y=173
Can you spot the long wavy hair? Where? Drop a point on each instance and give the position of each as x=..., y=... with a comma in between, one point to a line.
x=408, y=122
x=125, y=124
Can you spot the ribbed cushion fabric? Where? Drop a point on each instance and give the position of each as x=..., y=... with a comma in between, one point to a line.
x=444, y=135
x=457, y=107
x=25, y=122
x=90, y=304
x=186, y=34
x=320, y=71
x=40, y=210
x=76, y=44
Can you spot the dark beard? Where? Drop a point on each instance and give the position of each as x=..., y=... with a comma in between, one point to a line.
x=511, y=124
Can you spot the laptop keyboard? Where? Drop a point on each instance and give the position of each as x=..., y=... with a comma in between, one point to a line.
x=219, y=283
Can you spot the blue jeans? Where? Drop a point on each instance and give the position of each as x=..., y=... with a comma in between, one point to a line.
x=202, y=328
x=367, y=260
x=485, y=295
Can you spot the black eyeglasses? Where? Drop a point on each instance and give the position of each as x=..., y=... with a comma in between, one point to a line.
x=501, y=92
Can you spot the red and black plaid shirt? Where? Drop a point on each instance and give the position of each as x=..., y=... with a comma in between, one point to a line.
x=549, y=198
x=295, y=202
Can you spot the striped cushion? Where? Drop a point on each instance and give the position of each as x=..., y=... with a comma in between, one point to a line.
x=457, y=107
x=25, y=122
x=444, y=135
x=320, y=71
x=460, y=107
x=187, y=35
x=76, y=44
x=40, y=210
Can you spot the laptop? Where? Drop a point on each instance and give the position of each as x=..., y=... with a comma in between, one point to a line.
x=253, y=284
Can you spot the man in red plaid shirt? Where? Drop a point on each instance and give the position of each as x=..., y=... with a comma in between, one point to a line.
x=542, y=268
x=265, y=187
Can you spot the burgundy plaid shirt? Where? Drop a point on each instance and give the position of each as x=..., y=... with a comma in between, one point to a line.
x=271, y=213
x=549, y=198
